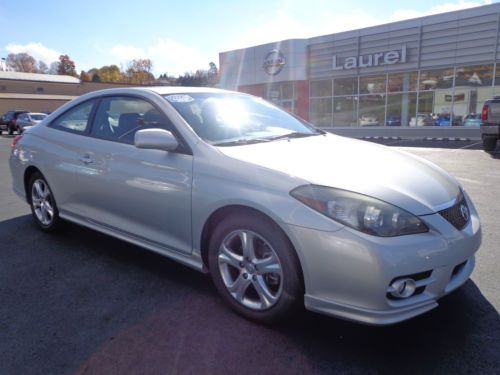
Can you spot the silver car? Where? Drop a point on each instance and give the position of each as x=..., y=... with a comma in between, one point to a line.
x=28, y=119
x=281, y=214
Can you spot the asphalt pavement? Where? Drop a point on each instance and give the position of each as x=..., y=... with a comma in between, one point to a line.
x=79, y=302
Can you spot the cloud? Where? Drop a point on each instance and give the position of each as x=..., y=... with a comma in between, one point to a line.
x=283, y=25
x=127, y=53
x=37, y=50
x=168, y=56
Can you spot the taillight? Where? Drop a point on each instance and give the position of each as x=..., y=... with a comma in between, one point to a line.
x=16, y=140
x=484, y=113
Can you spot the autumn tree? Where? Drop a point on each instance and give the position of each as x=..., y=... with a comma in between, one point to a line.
x=66, y=66
x=84, y=76
x=111, y=73
x=22, y=62
x=139, y=71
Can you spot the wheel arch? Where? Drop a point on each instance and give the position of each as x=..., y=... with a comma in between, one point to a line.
x=26, y=180
x=222, y=212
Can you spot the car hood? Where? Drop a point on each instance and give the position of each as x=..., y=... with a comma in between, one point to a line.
x=400, y=178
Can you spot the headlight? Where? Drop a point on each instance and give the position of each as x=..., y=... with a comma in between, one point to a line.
x=358, y=211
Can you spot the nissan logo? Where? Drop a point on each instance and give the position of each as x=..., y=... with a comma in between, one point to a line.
x=274, y=62
x=464, y=210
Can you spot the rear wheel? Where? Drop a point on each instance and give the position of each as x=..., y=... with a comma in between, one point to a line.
x=42, y=203
x=11, y=129
x=255, y=268
x=489, y=143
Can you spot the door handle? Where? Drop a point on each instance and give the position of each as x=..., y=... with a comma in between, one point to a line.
x=86, y=159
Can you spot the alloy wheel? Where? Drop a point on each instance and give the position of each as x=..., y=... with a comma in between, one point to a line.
x=250, y=269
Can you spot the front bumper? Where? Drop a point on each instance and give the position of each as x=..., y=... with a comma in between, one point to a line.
x=347, y=273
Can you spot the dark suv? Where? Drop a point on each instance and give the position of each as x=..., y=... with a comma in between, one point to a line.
x=8, y=121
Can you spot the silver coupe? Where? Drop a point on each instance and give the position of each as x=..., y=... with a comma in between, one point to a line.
x=281, y=214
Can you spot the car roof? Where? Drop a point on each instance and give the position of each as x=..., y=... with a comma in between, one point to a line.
x=161, y=90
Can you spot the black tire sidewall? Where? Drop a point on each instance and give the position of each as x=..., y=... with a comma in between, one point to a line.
x=55, y=219
x=489, y=143
x=292, y=293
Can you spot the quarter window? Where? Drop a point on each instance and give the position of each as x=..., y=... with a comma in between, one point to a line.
x=75, y=120
x=118, y=118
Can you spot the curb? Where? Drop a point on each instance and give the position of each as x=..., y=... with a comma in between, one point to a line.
x=386, y=138
x=447, y=139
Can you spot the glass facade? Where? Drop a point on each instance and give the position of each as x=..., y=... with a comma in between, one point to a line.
x=434, y=97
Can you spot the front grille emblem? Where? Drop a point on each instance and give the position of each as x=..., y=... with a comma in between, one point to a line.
x=464, y=210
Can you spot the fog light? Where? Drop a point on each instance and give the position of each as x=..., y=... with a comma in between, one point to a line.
x=403, y=288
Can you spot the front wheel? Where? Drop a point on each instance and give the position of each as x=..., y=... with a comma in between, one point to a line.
x=489, y=143
x=42, y=203
x=254, y=267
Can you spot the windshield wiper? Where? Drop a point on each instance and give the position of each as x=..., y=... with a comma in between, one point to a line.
x=293, y=135
x=242, y=141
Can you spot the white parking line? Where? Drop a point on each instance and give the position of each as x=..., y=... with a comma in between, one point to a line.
x=467, y=146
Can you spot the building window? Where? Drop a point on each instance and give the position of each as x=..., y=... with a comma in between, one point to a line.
x=345, y=111
x=39, y=89
x=371, y=110
x=372, y=85
x=399, y=82
x=345, y=86
x=321, y=112
x=321, y=88
x=401, y=109
x=436, y=79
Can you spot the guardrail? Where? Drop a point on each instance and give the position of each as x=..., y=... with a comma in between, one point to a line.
x=431, y=132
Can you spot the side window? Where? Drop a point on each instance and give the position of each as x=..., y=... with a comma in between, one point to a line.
x=76, y=120
x=118, y=118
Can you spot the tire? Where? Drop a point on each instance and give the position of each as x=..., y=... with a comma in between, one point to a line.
x=266, y=283
x=42, y=203
x=489, y=143
x=11, y=129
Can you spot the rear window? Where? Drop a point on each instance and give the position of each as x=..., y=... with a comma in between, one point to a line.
x=39, y=117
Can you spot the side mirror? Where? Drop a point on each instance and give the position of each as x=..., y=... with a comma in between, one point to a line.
x=155, y=139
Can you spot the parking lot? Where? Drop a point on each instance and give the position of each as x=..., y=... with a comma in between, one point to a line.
x=85, y=303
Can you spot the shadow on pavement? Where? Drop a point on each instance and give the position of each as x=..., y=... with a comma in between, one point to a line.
x=84, y=302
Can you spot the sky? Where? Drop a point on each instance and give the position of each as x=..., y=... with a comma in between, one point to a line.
x=183, y=36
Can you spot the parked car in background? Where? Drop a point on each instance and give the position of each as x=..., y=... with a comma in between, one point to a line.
x=473, y=119
x=280, y=213
x=28, y=119
x=367, y=120
x=9, y=120
x=444, y=119
x=422, y=119
x=393, y=120
x=490, y=128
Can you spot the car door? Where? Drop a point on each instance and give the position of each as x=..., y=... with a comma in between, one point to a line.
x=57, y=153
x=145, y=194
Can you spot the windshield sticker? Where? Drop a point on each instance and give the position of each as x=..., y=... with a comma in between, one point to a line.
x=179, y=98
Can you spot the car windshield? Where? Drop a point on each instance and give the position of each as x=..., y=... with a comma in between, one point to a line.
x=38, y=117
x=475, y=116
x=231, y=119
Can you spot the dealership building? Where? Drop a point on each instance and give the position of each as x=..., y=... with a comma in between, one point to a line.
x=436, y=66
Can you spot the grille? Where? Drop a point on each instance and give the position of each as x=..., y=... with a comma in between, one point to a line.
x=454, y=214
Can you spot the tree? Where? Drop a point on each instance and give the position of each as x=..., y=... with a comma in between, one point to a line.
x=139, y=71
x=53, y=67
x=42, y=68
x=66, y=66
x=213, y=74
x=84, y=76
x=96, y=78
x=22, y=62
x=111, y=73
